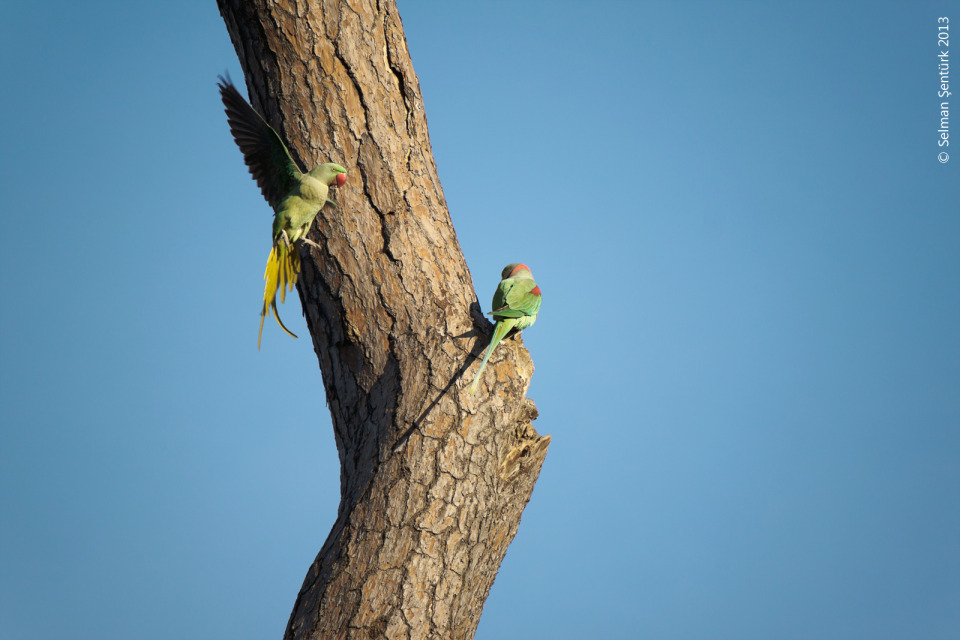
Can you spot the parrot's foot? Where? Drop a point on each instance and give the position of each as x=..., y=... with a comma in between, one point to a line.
x=285, y=237
x=312, y=243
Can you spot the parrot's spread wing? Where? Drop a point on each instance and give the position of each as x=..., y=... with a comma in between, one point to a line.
x=264, y=152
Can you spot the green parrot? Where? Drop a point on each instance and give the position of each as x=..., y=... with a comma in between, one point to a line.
x=296, y=197
x=516, y=304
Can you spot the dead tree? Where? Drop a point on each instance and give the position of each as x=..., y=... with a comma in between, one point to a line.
x=433, y=480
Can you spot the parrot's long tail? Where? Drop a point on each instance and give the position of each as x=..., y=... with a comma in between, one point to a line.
x=283, y=267
x=500, y=330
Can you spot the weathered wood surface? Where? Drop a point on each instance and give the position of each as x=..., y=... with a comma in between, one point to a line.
x=433, y=480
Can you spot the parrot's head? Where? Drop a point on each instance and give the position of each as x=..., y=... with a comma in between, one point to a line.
x=331, y=174
x=514, y=270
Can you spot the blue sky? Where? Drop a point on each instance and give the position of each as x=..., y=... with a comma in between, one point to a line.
x=748, y=354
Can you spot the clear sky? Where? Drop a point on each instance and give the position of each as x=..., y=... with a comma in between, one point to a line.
x=748, y=354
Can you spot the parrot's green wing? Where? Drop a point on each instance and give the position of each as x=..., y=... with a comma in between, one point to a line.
x=516, y=298
x=264, y=152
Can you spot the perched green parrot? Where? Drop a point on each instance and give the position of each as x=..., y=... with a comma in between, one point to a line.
x=516, y=304
x=296, y=197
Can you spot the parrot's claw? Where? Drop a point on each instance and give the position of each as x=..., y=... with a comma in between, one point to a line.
x=286, y=238
x=312, y=243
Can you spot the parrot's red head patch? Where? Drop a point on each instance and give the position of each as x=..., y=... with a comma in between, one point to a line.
x=520, y=267
x=341, y=178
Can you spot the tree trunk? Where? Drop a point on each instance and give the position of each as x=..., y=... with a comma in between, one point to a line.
x=433, y=480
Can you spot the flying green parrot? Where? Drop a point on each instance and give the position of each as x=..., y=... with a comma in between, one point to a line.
x=296, y=197
x=516, y=304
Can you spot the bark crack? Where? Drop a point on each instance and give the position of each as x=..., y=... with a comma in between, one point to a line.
x=396, y=70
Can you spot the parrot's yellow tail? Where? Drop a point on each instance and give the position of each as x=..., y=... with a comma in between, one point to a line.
x=283, y=267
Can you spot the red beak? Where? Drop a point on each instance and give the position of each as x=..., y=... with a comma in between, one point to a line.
x=341, y=178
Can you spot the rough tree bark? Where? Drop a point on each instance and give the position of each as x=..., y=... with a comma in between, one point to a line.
x=433, y=480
